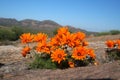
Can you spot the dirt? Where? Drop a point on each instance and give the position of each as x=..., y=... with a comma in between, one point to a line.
x=14, y=67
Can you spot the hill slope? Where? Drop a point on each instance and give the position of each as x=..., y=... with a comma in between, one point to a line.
x=46, y=26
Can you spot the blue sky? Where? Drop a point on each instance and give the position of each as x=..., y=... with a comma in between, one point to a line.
x=91, y=15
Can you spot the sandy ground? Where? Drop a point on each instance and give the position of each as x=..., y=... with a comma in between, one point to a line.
x=14, y=67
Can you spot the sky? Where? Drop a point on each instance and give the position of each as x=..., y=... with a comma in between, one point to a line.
x=91, y=15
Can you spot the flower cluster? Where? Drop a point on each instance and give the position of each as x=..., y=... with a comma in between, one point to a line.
x=113, y=49
x=63, y=47
x=113, y=44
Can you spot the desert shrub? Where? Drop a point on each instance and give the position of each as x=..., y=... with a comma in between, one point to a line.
x=6, y=34
x=102, y=33
x=113, y=49
x=42, y=63
x=63, y=50
x=111, y=32
x=114, y=32
x=10, y=34
x=17, y=31
x=114, y=54
x=55, y=31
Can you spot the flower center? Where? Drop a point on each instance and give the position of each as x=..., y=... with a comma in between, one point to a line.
x=79, y=54
x=59, y=55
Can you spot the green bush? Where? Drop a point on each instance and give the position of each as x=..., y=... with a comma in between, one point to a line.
x=114, y=32
x=103, y=33
x=10, y=33
x=42, y=63
x=6, y=34
x=55, y=31
x=113, y=54
x=17, y=31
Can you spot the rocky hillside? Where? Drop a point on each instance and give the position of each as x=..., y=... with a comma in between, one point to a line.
x=44, y=26
x=26, y=23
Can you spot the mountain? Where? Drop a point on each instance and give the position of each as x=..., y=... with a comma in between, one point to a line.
x=47, y=26
x=8, y=22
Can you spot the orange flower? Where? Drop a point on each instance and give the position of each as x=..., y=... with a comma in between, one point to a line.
x=118, y=46
x=26, y=37
x=62, y=30
x=71, y=64
x=85, y=43
x=79, y=53
x=25, y=51
x=110, y=43
x=55, y=41
x=80, y=36
x=58, y=55
x=39, y=37
x=91, y=53
x=118, y=43
x=43, y=47
x=75, y=40
x=67, y=39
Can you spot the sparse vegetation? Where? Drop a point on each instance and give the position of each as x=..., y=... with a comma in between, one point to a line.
x=114, y=32
x=10, y=34
x=6, y=34
x=42, y=63
x=111, y=32
x=113, y=50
